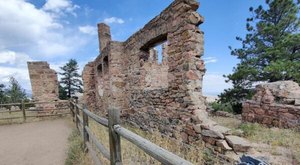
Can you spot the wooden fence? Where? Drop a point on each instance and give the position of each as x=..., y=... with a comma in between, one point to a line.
x=115, y=132
x=33, y=110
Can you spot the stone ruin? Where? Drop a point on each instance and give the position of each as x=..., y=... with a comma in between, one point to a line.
x=44, y=83
x=274, y=104
x=166, y=96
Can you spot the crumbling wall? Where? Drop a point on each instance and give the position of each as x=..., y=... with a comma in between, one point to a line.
x=153, y=95
x=166, y=96
x=274, y=104
x=44, y=82
x=88, y=77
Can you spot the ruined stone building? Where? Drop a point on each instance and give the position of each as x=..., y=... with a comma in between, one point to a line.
x=43, y=80
x=151, y=95
x=127, y=75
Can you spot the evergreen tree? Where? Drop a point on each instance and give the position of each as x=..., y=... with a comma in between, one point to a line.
x=15, y=93
x=270, y=51
x=70, y=81
x=63, y=95
x=3, y=97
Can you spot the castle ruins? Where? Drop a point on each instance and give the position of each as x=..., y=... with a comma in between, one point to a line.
x=167, y=95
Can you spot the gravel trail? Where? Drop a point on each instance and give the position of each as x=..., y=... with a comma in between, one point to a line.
x=36, y=143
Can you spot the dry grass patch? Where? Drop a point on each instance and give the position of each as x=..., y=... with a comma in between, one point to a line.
x=75, y=155
x=18, y=115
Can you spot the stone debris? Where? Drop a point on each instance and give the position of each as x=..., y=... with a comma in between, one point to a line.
x=238, y=144
x=223, y=130
x=224, y=145
x=197, y=128
x=212, y=133
x=274, y=104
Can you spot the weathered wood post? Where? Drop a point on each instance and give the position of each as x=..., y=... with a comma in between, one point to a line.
x=23, y=110
x=114, y=138
x=85, y=120
x=72, y=109
x=77, y=113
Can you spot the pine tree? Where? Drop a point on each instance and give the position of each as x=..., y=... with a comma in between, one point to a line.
x=3, y=97
x=63, y=95
x=270, y=51
x=70, y=80
x=15, y=93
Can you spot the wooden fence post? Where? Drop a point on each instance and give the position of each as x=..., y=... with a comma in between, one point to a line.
x=77, y=113
x=72, y=109
x=23, y=110
x=114, y=138
x=85, y=120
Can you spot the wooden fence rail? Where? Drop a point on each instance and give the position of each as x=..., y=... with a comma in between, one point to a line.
x=42, y=112
x=115, y=132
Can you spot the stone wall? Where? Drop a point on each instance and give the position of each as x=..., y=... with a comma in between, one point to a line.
x=43, y=80
x=274, y=104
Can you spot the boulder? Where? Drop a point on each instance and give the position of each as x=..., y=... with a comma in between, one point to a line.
x=297, y=102
x=238, y=144
x=223, y=144
x=286, y=92
x=212, y=133
x=223, y=130
x=197, y=128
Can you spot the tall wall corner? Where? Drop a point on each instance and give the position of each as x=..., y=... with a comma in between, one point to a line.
x=44, y=82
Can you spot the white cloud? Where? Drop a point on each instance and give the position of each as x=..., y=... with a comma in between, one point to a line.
x=18, y=29
x=91, y=30
x=60, y=7
x=28, y=33
x=210, y=60
x=21, y=74
x=14, y=64
x=112, y=20
x=214, y=84
x=37, y=32
x=13, y=58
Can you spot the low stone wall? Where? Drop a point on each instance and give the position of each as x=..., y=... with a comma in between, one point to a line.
x=278, y=115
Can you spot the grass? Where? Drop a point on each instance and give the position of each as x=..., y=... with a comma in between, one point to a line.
x=75, y=155
x=274, y=137
x=18, y=114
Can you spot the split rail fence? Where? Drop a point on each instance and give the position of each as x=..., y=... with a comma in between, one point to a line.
x=115, y=132
x=25, y=110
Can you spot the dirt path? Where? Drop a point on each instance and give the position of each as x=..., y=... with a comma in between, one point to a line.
x=37, y=143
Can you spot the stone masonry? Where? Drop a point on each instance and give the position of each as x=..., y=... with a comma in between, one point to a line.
x=274, y=104
x=166, y=96
x=44, y=82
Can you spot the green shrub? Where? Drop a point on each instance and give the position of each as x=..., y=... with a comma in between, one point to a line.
x=227, y=107
x=250, y=129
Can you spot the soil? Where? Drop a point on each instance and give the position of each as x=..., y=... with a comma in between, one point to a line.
x=37, y=143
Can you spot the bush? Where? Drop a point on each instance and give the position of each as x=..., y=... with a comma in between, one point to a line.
x=227, y=107
x=250, y=129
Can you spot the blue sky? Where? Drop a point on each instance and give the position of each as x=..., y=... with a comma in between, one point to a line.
x=57, y=30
